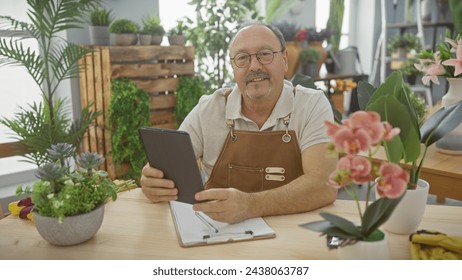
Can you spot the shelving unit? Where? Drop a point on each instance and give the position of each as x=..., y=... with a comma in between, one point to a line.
x=382, y=62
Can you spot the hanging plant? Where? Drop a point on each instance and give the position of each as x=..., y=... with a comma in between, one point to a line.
x=128, y=111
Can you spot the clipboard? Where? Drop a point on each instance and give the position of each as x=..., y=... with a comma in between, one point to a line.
x=192, y=231
x=172, y=152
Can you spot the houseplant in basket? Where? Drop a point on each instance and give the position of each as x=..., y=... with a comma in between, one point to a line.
x=391, y=100
x=123, y=32
x=363, y=131
x=99, y=18
x=69, y=202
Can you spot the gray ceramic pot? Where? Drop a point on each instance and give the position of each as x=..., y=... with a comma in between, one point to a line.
x=73, y=230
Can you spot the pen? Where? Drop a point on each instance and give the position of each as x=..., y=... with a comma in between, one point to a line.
x=206, y=222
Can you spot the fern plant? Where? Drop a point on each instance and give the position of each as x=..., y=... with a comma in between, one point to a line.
x=128, y=111
x=42, y=124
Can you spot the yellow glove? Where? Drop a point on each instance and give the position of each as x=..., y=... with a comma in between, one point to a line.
x=429, y=245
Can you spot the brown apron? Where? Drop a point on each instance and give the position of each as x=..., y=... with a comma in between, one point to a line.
x=253, y=161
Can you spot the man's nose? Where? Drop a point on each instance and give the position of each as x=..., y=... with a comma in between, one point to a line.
x=254, y=62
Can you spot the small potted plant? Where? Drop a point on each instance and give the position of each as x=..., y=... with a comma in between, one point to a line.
x=123, y=32
x=153, y=27
x=68, y=203
x=309, y=57
x=176, y=35
x=100, y=18
x=402, y=44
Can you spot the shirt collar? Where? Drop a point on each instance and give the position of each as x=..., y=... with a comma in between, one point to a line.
x=284, y=106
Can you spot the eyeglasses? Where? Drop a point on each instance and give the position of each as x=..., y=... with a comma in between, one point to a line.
x=264, y=56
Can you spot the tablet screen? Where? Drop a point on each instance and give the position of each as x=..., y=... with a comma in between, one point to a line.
x=171, y=151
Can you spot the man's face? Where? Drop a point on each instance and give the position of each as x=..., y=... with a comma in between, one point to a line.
x=258, y=80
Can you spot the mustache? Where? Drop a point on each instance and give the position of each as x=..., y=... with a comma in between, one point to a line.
x=256, y=75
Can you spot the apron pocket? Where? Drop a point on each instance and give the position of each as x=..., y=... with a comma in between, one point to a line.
x=244, y=178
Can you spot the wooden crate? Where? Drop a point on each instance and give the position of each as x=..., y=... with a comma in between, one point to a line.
x=155, y=69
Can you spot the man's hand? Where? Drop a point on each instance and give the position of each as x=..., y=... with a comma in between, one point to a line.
x=155, y=187
x=224, y=205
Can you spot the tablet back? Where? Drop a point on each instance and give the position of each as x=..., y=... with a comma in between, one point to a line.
x=171, y=151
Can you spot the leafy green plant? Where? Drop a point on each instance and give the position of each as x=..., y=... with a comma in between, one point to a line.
x=408, y=41
x=276, y=9
x=63, y=192
x=309, y=55
x=128, y=111
x=122, y=25
x=179, y=29
x=215, y=24
x=189, y=90
x=408, y=68
x=41, y=124
x=335, y=22
x=152, y=25
x=391, y=101
x=100, y=16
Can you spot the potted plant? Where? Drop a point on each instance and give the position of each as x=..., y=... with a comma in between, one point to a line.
x=123, y=32
x=152, y=26
x=176, y=34
x=290, y=31
x=410, y=71
x=68, y=203
x=363, y=237
x=391, y=101
x=309, y=57
x=41, y=124
x=99, y=18
x=402, y=44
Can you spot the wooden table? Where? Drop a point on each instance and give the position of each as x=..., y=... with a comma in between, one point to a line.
x=442, y=171
x=134, y=228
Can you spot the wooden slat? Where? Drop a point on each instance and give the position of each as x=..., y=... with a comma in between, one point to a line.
x=99, y=102
x=157, y=85
x=147, y=53
x=83, y=97
x=12, y=149
x=163, y=101
x=159, y=117
x=151, y=70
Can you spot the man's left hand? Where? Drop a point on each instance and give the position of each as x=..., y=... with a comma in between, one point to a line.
x=224, y=205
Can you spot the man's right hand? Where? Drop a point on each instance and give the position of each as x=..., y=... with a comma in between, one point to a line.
x=155, y=187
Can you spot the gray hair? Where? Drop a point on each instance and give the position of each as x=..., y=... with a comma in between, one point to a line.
x=273, y=28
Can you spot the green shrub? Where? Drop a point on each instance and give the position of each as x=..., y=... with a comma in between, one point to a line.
x=151, y=25
x=123, y=25
x=190, y=89
x=309, y=55
x=408, y=40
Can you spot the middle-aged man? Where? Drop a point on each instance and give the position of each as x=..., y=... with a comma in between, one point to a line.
x=262, y=144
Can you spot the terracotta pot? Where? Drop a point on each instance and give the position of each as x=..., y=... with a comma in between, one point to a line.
x=293, y=53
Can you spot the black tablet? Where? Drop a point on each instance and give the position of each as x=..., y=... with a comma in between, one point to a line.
x=171, y=151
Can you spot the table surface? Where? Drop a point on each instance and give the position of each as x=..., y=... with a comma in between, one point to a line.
x=134, y=228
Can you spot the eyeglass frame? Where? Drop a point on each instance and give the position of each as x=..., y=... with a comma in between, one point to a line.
x=256, y=55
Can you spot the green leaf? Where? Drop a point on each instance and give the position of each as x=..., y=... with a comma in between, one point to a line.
x=365, y=91
x=342, y=223
x=303, y=80
x=441, y=123
x=328, y=228
x=378, y=213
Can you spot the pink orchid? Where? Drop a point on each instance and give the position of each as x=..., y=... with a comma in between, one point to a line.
x=352, y=140
x=332, y=128
x=390, y=132
x=351, y=169
x=393, y=180
x=432, y=70
x=369, y=121
x=456, y=62
x=453, y=43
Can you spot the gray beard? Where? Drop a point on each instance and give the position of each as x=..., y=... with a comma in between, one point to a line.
x=259, y=97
